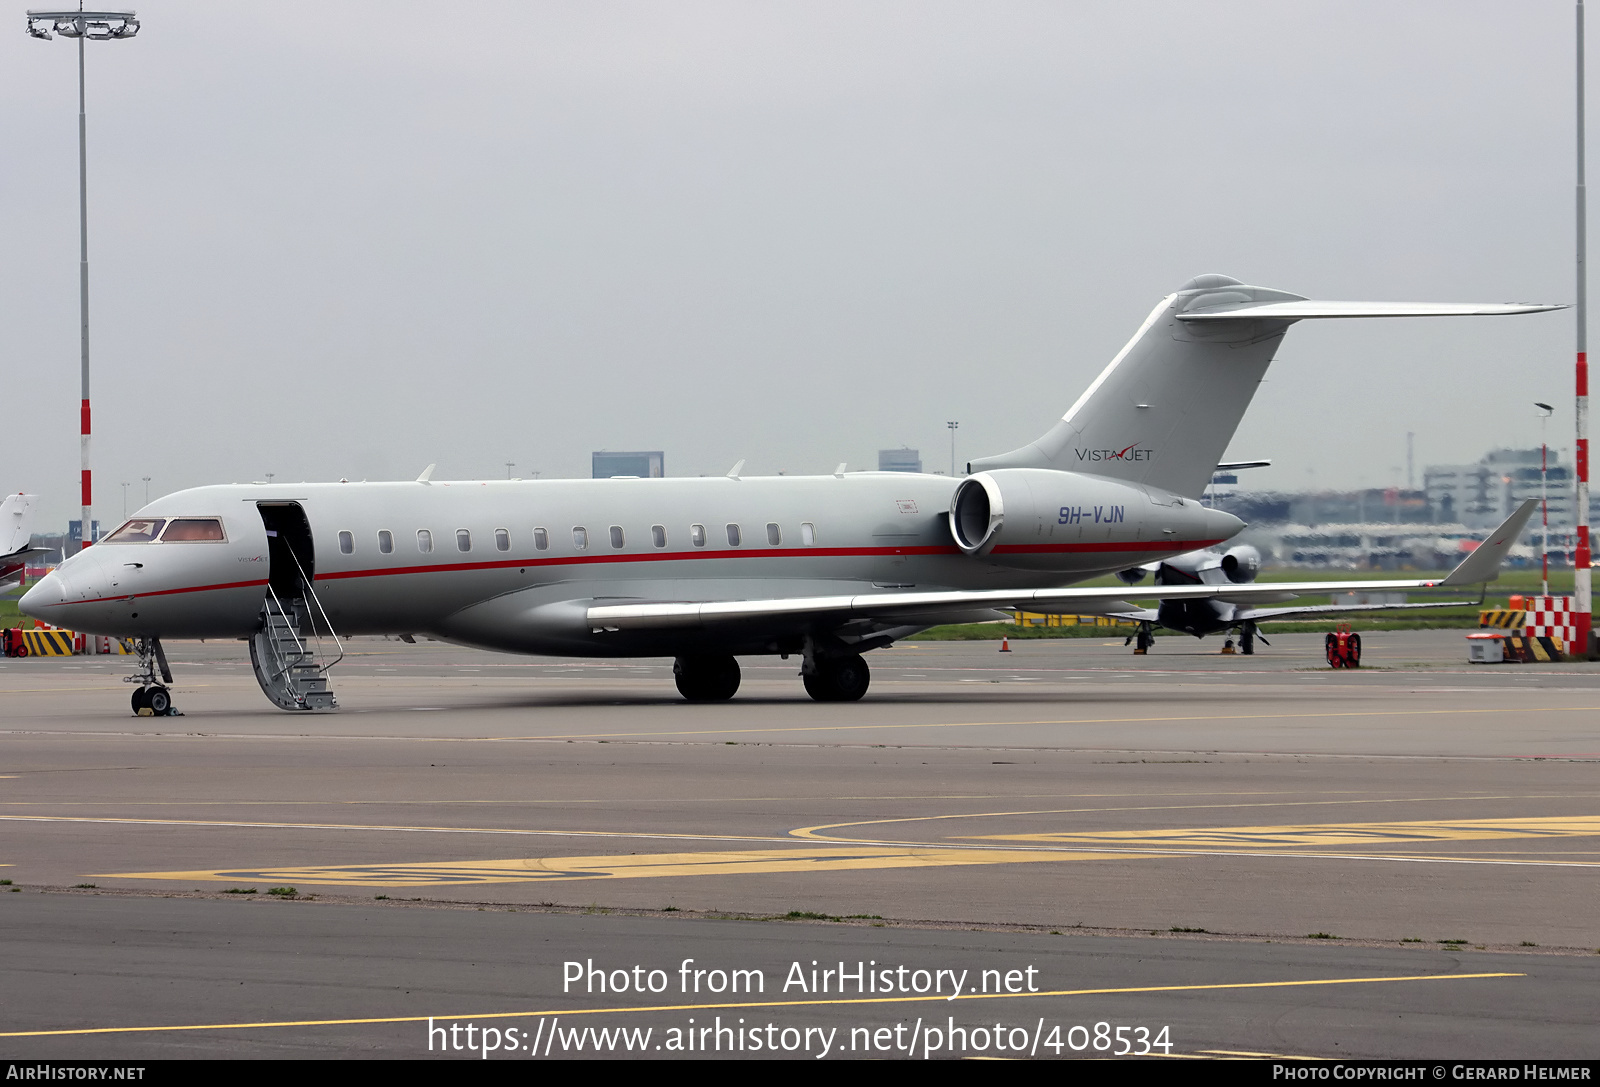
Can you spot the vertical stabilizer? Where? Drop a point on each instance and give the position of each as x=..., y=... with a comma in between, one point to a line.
x=1163, y=412
x=16, y=522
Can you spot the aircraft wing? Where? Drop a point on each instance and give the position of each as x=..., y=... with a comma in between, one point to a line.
x=831, y=612
x=1265, y=615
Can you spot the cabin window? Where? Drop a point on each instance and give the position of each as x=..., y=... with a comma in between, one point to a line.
x=658, y=535
x=424, y=540
x=502, y=539
x=385, y=541
x=617, y=539
x=463, y=540
x=733, y=535
x=193, y=530
x=774, y=534
x=808, y=533
x=136, y=531
x=541, y=540
x=697, y=535
x=347, y=544
x=580, y=539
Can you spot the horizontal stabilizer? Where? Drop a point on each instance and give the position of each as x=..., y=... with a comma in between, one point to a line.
x=1308, y=309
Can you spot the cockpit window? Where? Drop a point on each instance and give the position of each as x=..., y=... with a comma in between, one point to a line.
x=193, y=530
x=136, y=531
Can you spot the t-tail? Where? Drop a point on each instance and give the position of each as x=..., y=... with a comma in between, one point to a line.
x=1163, y=412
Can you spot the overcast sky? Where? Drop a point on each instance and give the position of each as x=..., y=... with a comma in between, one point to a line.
x=352, y=239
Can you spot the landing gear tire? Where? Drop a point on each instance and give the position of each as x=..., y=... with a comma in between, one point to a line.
x=140, y=700
x=839, y=679
x=1143, y=640
x=706, y=679
x=159, y=699
x=1247, y=642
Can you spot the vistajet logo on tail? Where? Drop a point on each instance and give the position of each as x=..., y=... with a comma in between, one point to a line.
x=1132, y=452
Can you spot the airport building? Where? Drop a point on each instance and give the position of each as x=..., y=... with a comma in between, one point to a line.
x=899, y=460
x=1482, y=495
x=649, y=464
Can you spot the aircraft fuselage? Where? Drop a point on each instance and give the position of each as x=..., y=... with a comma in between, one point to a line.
x=514, y=564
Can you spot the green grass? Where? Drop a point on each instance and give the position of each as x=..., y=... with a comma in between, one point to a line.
x=9, y=615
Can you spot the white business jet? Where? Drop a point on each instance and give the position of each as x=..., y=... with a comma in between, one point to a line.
x=705, y=570
x=1223, y=612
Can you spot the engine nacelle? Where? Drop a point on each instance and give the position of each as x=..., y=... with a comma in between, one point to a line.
x=1041, y=519
x=1241, y=564
x=1132, y=576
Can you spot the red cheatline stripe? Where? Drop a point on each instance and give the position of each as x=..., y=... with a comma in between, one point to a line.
x=769, y=553
x=162, y=592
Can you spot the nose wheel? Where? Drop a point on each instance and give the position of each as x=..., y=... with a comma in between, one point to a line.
x=153, y=702
x=152, y=698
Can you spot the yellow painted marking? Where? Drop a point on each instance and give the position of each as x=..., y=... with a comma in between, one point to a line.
x=634, y=866
x=755, y=1004
x=1312, y=835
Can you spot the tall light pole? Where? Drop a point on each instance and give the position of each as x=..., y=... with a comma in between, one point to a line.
x=1583, y=601
x=96, y=26
x=1545, y=411
x=952, y=424
x=147, y=490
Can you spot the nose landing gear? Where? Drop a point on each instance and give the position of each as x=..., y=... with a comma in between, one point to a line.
x=152, y=699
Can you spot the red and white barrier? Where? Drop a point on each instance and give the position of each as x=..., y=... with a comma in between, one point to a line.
x=1553, y=617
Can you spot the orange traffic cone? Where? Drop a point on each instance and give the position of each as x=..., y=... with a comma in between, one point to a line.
x=1005, y=644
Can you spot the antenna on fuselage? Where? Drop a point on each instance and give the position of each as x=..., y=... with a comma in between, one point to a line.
x=427, y=474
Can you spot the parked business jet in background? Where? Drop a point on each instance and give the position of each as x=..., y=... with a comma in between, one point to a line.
x=16, y=530
x=1222, y=613
x=705, y=570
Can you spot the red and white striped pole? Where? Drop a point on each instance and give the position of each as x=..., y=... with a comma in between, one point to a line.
x=1583, y=600
x=83, y=298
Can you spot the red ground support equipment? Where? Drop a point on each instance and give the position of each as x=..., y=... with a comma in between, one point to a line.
x=1344, y=648
x=11, y=641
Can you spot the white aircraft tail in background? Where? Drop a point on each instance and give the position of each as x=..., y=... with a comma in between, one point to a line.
x=16, y=530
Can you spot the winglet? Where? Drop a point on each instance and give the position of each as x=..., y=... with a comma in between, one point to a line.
x=427, y=474
x=1484, y=563
x=838, y=473
x=733, y=473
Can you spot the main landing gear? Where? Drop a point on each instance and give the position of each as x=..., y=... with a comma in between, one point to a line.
x=152, y=699
x=1143, y=638
x=1248, y=634
x=837, y=679
x=706, y=678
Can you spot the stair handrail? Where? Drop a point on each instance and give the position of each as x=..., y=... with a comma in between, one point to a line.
x=305, y=582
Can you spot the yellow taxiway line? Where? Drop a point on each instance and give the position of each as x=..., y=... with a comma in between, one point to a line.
x=758, y=1004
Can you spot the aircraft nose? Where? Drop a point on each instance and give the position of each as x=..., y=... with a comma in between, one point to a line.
x=1221, y=525
x=46, y=592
